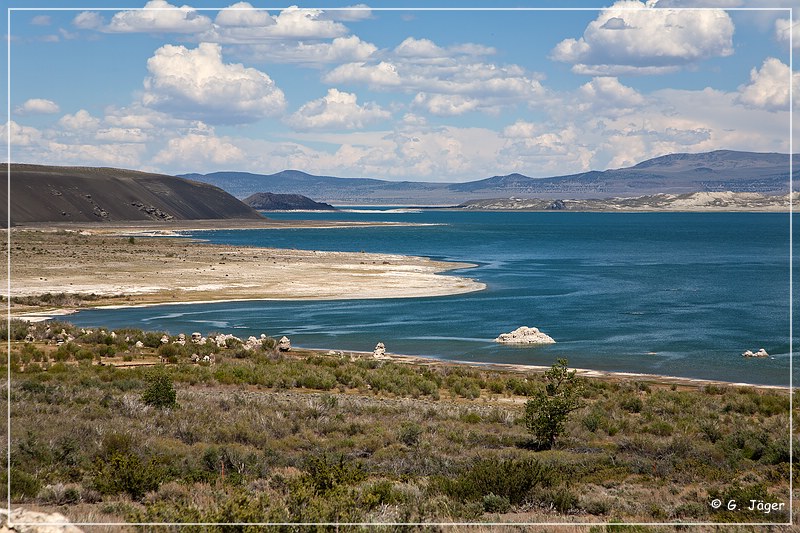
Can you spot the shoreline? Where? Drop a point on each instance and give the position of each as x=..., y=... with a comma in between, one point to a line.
x=86, y=270
x=607, y=375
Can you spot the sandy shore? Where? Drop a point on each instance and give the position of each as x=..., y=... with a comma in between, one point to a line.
x=168, y=270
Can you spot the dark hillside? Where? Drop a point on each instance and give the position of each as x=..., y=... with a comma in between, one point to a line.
x=86, y=194
x=268, y=201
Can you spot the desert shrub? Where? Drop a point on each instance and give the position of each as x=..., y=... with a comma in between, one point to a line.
x=325, y=474
x=521, y=387
x=160, y=392
x=492, y=503
x=23, y=484
x=511, y=479
x=16, y=329
x=381, y=493
x=547, y=411
x=409, y=433
x=631, y=403
x=127, y=473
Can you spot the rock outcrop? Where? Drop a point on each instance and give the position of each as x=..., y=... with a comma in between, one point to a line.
x=760, y=353
x=525, y=335
x=380, y=351
x=284, y=344
x=25, y=521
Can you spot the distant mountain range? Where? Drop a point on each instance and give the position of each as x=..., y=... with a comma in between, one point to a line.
x=722, y=170
x=42, y=193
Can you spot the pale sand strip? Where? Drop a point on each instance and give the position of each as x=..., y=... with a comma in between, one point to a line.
x=163, y=270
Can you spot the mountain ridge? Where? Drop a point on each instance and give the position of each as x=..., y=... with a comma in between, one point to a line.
x=717, y=171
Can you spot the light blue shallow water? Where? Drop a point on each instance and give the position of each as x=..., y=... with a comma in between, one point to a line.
x=680, y=294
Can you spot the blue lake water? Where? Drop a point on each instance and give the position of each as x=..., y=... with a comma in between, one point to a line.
x=681, y=294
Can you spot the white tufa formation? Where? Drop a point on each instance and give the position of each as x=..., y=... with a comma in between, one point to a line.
x=525, y=335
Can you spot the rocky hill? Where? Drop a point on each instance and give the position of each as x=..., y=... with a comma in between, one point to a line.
x=87, y=194
x=267, y=201
x=719, y=171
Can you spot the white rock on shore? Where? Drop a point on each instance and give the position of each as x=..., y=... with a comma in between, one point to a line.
x=36, y=522
x=525, y=335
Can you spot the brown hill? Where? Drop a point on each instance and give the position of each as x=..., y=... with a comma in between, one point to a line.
x=86, y=194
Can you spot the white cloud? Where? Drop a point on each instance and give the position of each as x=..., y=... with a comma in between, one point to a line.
x=121, y=135
x=631, y=36
x=20, y=135
x=769, y=86
x=336, y=110
x=445, y=84
x=340, y=50
x=196, y=84
x=611, y=91
x=123, y=155
x=80, y=121
x=252, y=27
x=446, y=105
x=375, y=76
x=158, y=16
x=88, y=20
x=41, y=20
x=193, y=150
x=37, y=106
x=412, y=47
x=783, y=30
x=243, y=14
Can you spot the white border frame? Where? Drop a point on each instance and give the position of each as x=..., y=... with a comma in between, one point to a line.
x=789, y=11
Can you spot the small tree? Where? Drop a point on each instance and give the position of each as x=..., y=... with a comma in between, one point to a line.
x=160, y=392
x=547, y=411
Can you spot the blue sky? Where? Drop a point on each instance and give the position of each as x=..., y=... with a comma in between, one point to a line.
x=402, y=94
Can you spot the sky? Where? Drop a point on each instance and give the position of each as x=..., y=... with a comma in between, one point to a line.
x=402, y=94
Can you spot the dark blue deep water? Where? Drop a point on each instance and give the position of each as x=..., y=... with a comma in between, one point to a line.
x=681, y=294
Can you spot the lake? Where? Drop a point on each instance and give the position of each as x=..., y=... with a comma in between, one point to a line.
x=679, y=294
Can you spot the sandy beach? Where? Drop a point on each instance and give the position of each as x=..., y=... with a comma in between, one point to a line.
x=108, y=268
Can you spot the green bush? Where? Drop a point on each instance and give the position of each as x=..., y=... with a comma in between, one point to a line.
x=126, y=473
x=510, y=479
x=160, y=392
x=325, y=474
x=547, y=412
x=492, y=503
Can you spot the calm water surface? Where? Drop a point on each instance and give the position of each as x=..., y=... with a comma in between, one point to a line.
x=680, y=294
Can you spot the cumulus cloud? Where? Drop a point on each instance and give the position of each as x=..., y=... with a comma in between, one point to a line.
x=20, y=135
x=158, y=16
x=769, y=86
x=41, y=20
x=196, y=84
x=37, y=106
x=632, y=37
x=786, y=31
x=194, y=149
x=336, y=110
x=340, y=50
x=236, y=25
x=80, y=121
x=243, y=14
x=444, y=83
x=88, y=20
x=412, y=47
x=446, y=105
